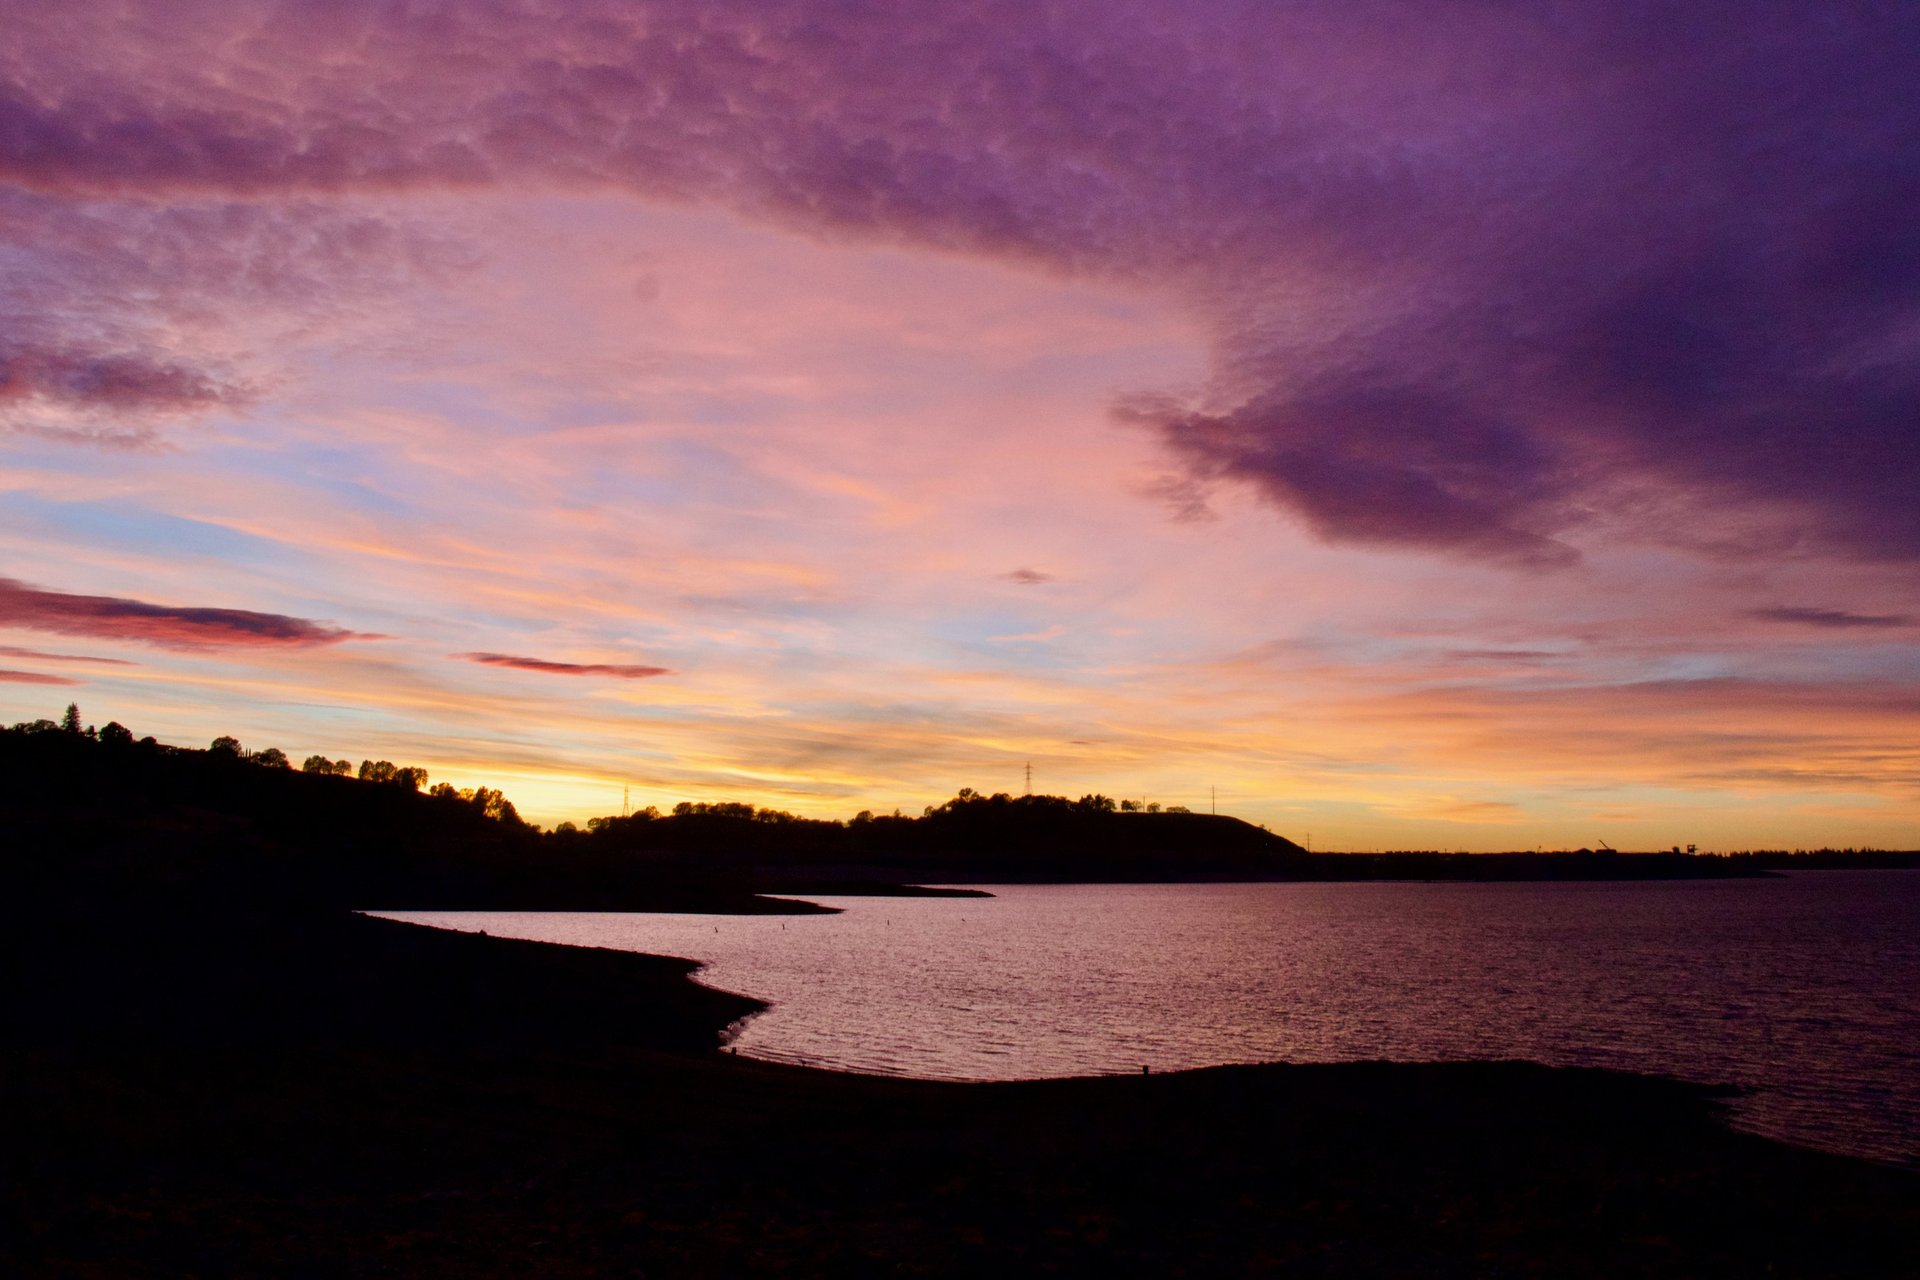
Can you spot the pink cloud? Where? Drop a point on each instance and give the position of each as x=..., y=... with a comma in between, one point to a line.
x=32, y=677
x=1469, y=281
x=618, y=671
x=8, y=651
x=173, y=627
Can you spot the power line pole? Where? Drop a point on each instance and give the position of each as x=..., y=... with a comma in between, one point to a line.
x=625, y=799
x=1029, y=777
x=1213, y=800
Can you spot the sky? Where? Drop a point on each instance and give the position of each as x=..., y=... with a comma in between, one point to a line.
x=1471, y=426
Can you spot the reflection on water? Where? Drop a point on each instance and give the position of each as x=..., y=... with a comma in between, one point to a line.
x=1806, y=989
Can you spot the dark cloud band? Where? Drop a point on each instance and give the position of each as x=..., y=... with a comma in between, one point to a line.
x=115, y=618
x=1831, y=619
x=618, y=671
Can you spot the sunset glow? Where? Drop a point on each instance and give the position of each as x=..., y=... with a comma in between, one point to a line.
x=1485, y=430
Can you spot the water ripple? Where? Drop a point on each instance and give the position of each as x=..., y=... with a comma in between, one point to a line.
x=1804, y=989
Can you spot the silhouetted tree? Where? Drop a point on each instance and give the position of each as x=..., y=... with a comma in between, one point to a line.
x=376, y=771
x=411, y=777
x=273, y=758
x=316, y=764
x=115, y=734
x=492, y=803
x=227, y=746
x=71, y=721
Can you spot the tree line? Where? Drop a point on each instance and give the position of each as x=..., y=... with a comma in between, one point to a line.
x=493, y=803
x=967, y=808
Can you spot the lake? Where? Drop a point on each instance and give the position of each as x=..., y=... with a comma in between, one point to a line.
x=1804, y=989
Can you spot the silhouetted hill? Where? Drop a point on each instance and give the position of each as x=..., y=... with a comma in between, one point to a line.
x=94, y=816
x=970, y=839
x=95, y=822
x=1000, y=839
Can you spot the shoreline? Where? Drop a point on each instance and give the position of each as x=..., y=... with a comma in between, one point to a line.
x=367, y=1097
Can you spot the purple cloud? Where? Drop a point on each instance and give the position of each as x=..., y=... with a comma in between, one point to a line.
x=172, y=627
x=616, y=670
x=1830, y=618
x=1027, y=577
x=96, y=295
x=122, y=382
x=1484, y=280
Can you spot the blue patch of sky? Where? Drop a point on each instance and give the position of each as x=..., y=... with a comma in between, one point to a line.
x=353, y=480
x=120, y=526
x=689, y=472
x=699, y=476
x=1008, y=641
x=471, y=406
x=1690, y=667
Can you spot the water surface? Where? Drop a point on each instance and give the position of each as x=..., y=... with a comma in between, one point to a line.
x=1805, y=989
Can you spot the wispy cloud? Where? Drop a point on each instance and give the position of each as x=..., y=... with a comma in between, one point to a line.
x=1043, y=636
x=1450, y=810
x=170, y=626
x=9, y=651
x=619, y=671
x=1839, y=619
x=32, y=677
x=1501, y=657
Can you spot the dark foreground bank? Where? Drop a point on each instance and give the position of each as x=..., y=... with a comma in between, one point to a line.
x=339, y=1096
